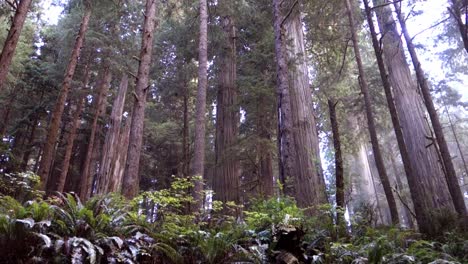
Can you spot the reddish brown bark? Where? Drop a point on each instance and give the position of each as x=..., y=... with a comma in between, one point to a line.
x=115, y=183
x=299, y=163
x=198, y=164
x=54, y=128
x=111, y=145
x=226, y=182
x=12, y=39
x=131, y=179
x=371, y=121
x=451, y=177
x=100, y=104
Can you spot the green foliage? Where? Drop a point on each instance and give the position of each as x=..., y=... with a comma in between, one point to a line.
x=23, y=186
x=264, y=213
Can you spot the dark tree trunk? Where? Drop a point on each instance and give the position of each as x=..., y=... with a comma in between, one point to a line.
x=131, y=179
x=111, y=144
x=339, y=171
x=371, y=121
x=300, y=167
x=428, y=188
x=72, y=134
x=29, y=145
x=226, y=182
x=54, y=128
x=87, y=173
x=451, y=177
x=198, y=164
x=12, y=39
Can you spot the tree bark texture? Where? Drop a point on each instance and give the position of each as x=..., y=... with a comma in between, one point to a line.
x=100, y=104
x=451, y=177
x=371, y=121
x=54, y=128
x=12, y=39
x=226, y=182
x=115, y=183
x=111, y=144
x=428, y=190
x=131, y=179
x=198, y=164
x=393, y=111
x=300, y=166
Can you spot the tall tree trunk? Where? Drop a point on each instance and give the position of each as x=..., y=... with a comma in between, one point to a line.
x=371, y=121
x=111, y=144
x=12, y=39
x=456, y=12
x=131, y=178
x=451, y=177
x=72, y=134
x=339, y=172
x=394, y=114
x=101, y=102
x=298, y=138
x=428, y=188
x=226, y=182
x=54, y=128
x=198, y=164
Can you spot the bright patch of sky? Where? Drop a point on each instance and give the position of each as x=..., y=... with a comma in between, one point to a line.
x=51, y=12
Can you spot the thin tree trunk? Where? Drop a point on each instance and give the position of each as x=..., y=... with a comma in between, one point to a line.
x=339, y=171
x=29, y=145
x=227, y=177
x=371, y=121
x=428, y=190
x=131, y=178
x=70, y=140
x=101, y=101
x=185, y=137
x=198, y=164
x=457, y=141
x=298, y=138
x=54, y=128
x=111, y=143
x=451, y=177
x=12, y=39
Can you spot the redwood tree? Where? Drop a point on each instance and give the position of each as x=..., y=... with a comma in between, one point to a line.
x=298, y=144
x=131, y=179
x=12, y=39
x=54, y=127
x=451, y=176
x=198, y=164
x=227, y=177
